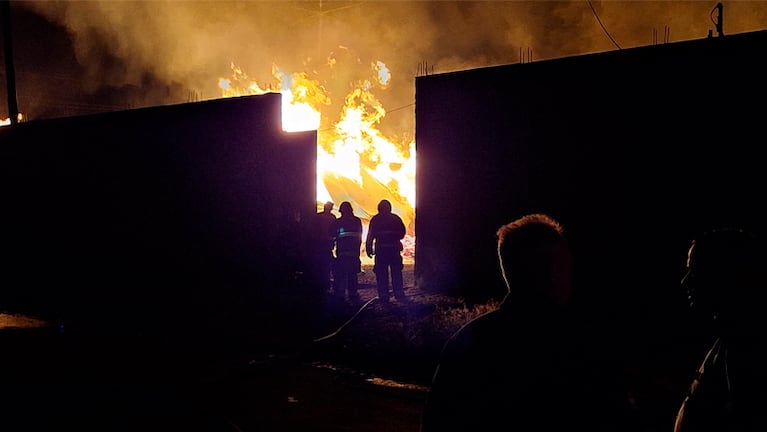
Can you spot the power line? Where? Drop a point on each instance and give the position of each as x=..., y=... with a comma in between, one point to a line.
x=602, y=25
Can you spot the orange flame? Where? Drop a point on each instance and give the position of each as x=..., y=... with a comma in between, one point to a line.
x=7, y=121
x=355, y=161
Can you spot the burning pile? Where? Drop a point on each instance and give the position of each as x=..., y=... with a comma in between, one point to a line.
x=355, y=161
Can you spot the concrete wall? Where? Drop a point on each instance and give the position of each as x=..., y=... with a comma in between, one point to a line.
x=634, y=150
x=181, y=209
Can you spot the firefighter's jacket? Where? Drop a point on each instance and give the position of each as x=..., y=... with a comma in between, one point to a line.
x=385, y=232
x=347, y=231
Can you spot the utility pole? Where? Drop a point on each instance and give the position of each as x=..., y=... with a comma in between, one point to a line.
x=720, y=19
x=719, y=23
x=10, y=70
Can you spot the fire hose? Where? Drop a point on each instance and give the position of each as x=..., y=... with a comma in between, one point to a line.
x=349, y=321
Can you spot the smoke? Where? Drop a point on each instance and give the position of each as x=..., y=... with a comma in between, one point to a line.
x=191, y=44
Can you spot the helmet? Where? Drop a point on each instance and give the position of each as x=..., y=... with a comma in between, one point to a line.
x=345, y=208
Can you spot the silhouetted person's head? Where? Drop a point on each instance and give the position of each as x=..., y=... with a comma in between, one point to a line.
x=725, y=276
x=328, y=207
x=346, y=208
x=535, y=258
x=384, y=206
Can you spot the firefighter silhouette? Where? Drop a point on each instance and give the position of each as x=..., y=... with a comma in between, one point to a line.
x=384, y=242
x=322, y=248
x=347, y=238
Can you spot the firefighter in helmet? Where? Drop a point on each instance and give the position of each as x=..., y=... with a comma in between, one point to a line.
x=347, y=237
x=384, y=242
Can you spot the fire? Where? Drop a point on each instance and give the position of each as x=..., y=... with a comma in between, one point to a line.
x=7, y=121
x=355, y=161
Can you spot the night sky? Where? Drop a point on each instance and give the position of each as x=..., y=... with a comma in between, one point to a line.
x=82, y=57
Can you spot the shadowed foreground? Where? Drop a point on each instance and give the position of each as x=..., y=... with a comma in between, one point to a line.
x=339, y=367
x=274, y=377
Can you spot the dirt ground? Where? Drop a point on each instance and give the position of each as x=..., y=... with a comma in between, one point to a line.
x=364, y=367
x=341, y=366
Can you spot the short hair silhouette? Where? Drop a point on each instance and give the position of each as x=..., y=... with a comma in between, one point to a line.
x=384, y=206
x=724, y=272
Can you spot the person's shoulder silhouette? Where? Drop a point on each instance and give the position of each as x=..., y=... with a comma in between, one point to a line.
x=522, y=364
x=725, y=283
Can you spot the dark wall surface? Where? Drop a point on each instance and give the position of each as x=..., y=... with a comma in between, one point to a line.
x=178, y=208
x=634, y=150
